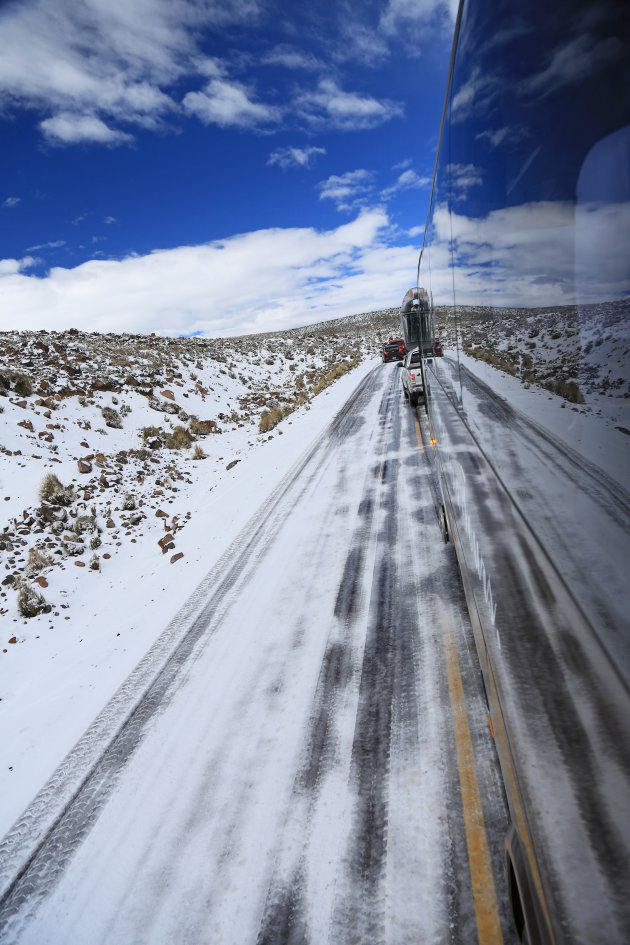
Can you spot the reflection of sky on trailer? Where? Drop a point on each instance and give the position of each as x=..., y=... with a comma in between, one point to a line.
x=416, y=320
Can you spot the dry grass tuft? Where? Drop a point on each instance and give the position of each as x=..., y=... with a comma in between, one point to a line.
x=37, y=561
x=111, y=417
x=179, y=439
x=54, y=492
x=270, y=419
x=30, y=603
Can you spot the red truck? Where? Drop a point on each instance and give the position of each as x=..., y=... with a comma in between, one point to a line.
x=394, y=350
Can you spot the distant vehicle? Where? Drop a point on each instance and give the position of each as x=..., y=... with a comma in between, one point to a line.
x=437, y=348
x=412, y=378
x=394, y=350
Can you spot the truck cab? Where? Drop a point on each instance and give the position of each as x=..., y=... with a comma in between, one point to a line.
x=411, y=377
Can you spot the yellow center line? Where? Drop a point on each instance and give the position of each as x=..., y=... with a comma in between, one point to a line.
x=419, y=437
x=479, y=862
x=482, y=880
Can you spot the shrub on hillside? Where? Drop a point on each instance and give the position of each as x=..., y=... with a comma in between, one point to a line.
x=22, y=385
x=179, y=439
x=270, y=419
x=198, y=453
x=37, y=561
x=54, y=492
x=569, y=390
x=30, y=602
x=111, y=417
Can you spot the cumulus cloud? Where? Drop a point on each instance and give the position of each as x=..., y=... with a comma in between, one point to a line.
x=528, y=252
x=294, y=157
x=10, y=202
x=348, y=190
x=274, y=278
x=329, y=105
x=477, y=95
x=462, y=177
x=407, y=16
x=228, y=104
x=11, y=267
x=408, y=180
x=291, y=58
x=68, y=128
x=498, y=136
x=573, y=62
x=109, y=62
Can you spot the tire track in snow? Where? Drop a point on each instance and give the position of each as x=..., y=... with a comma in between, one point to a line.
x=285, y=916
x=35, y=852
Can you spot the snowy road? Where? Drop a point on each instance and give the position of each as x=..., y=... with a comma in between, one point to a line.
x=302, y=768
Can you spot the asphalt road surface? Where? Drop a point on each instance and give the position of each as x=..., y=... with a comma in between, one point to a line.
x=312, y=763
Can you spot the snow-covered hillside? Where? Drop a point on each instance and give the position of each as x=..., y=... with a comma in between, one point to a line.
x=581, y=354
x=139, y=521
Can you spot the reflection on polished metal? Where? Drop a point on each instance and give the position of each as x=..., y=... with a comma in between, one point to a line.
x=526, y=267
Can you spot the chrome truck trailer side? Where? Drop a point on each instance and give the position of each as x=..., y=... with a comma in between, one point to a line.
x=525, y=261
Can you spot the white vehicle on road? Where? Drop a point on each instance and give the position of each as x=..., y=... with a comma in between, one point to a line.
x=411, y=378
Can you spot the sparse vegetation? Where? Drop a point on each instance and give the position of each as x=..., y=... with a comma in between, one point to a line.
x=198, y=453
x=22, y=385
x=30, y=602
x=270, y=418
x=129, y=503
x=569, y=390
x=179, y=439
x=332, y=373
x=54, y=492
x=154, y=436
x=95, y=542
x=95, y=563
x=37, y=561
x=111, y=417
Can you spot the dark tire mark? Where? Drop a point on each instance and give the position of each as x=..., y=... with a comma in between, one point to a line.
x=612, y=498
x=285, y=921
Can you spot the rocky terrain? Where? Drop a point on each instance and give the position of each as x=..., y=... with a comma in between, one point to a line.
x=581, y=354
x=105, y=439
x=103, y=436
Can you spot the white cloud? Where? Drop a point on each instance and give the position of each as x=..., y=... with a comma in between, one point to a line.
x=11, y=267
x=476, y=94
x=408, y=180
x=109, y=61
x=257, y=281
x=53, y=244
x=109, y=220
x=347, y=190
x=462, y=177
x=68, y=128
x=229, y=105
x=291, y=58
x=10, y=202
x=405, y=17
x=294, y=157
x=330, y=106
x=527, y=255
x=573, y=62
x=496, y=137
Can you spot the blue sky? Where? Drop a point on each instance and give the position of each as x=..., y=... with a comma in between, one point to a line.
x=190, y=165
